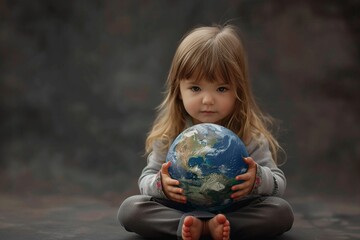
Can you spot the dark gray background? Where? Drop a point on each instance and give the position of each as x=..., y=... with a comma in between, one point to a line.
x=79, y=82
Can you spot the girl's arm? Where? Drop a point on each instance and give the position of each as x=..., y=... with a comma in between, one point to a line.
x=150, y=179
x=270, y=180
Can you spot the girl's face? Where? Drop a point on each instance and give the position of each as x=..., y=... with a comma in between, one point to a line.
x=207, y=102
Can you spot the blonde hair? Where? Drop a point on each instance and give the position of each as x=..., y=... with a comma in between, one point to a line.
x=211, y=53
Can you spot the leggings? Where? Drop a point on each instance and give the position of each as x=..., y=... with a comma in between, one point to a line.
x=257, y=217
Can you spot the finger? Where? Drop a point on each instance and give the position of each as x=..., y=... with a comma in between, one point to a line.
x=250, y=162
x=176, y=190
x=178, y=198
x=239, y=194
x=241, y=186
x=243, y=177
x=170, y=181
x=165, y=168
x=179, y=201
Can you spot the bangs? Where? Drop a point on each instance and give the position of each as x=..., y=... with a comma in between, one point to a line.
x=208, y=65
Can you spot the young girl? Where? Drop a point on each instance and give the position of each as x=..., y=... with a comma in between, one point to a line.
x=208, y=83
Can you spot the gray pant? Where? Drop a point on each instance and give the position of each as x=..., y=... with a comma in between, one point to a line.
x=162, y=219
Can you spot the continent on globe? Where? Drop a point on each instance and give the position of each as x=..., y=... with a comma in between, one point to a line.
x=206, y=158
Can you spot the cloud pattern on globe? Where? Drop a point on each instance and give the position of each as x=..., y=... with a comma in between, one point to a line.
x=206, y=158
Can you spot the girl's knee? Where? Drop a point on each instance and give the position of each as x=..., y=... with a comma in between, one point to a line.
x=129, y=209
x=286, y=211
x=283, y=214
x=123, y=212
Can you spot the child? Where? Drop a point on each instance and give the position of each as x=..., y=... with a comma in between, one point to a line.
x=208, y=83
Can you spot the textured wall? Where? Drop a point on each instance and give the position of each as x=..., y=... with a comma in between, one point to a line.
x=79, y=81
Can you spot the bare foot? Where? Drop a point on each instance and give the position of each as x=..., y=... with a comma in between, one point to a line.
x=192, y=228
x=219, y=227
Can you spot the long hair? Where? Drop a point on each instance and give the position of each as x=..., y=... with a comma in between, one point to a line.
x=212, y=53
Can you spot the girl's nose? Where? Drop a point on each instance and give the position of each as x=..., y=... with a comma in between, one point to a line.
x=208, y=99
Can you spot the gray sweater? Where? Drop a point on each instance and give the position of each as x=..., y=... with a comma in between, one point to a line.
x=270, y=180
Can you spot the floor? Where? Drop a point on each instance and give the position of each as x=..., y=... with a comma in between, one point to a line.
x=53, y=217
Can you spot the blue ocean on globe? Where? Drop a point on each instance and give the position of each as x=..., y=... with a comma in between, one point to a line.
x=206, y=158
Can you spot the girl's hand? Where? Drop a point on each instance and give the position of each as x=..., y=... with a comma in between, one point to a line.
x=171, y=186
x=248, y=178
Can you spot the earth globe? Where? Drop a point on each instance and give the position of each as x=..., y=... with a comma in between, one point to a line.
x=206, y=158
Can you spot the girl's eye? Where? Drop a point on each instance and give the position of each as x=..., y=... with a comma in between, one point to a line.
x=195, y=89
x=222, y=89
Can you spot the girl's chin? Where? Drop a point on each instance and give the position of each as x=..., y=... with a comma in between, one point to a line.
x=195, y=121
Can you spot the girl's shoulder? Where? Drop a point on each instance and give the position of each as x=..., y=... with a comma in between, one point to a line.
x=256, y=140
x=160, y=145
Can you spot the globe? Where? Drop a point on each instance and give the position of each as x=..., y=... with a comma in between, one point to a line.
x=206, y=158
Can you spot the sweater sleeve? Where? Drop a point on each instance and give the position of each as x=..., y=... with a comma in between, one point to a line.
x=270, y=180
x=150, y=179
